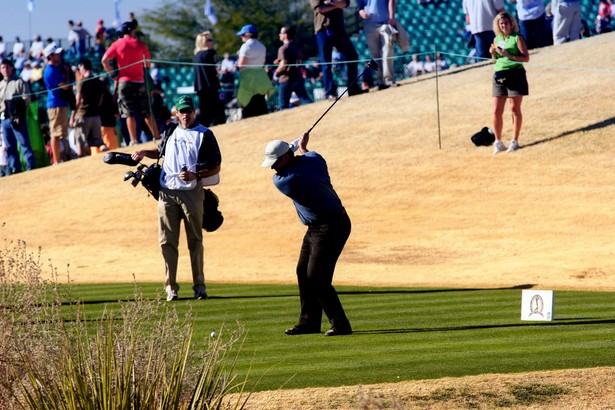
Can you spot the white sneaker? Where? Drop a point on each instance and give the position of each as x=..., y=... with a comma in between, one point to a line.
x=514, y=145
x=171, y=294
x=498, y=146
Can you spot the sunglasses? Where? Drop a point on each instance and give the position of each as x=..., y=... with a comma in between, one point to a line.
x=186, y=110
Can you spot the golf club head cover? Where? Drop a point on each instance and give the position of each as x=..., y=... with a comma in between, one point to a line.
x=119, y=158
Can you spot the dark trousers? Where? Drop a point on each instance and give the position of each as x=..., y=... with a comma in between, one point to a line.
x=482, y=43
x=211, y=107
x=257, y=106
x=534, y=32
x=326, y=40
x=285, y=91
x=322, y=246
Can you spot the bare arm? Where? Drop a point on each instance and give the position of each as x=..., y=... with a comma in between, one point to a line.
x=303, y=141
x=105, y=61
x=392, y=9
x=149, y=153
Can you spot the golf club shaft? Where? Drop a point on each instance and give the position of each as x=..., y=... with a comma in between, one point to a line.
x=341, y=95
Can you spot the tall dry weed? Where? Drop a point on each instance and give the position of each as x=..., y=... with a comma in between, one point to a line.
x=140, y=355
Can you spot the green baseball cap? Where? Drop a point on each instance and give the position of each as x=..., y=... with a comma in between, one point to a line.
x=184, y=102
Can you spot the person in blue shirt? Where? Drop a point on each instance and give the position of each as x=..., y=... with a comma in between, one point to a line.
x=55, y=80
x=305, y=179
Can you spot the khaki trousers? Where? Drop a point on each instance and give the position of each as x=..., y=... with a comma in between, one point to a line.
x=173, y=207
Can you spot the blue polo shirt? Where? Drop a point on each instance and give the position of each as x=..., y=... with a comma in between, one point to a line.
x=306, y=181
x=54, y=75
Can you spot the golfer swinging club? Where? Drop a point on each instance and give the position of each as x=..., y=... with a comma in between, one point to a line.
x=305, y=180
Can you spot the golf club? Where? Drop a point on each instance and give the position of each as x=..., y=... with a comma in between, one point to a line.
x=372, y=65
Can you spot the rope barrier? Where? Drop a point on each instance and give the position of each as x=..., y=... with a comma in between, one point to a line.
x=362, y=61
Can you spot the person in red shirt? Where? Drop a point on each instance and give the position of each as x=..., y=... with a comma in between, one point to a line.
x=100, y=38
x=132, y=57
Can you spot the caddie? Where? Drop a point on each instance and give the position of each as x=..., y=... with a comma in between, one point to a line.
x=190, y=153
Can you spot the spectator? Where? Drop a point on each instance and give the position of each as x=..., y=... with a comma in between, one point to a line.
x=100, y=34
x=415, y=67
x=227, y=65
x=375, y=14
x=585, y=32
x=313, y=71
x=19, y=53
x=108, y=115
x=37, y=74
x=14, y=99
x=49, y=44
x=566, y=20
x=36, y=49
x=603, y=19
x=128, y=51
x=206, y=82
x=228, y=68
x=2, y=48
x=532, y=22
x=57, y=106
x=288, y=72
x=429, y=66
x=110, y=35
x=190, y=153
x=480, y=15
x=82, y=42
x=509, y=81
x=26, y=72
x=441, y=63
x=162, y=114
x=330, y=32
x=73, y=39
x=254, y=83
x=86, y=118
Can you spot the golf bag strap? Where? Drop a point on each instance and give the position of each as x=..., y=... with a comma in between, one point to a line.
x=168, y=131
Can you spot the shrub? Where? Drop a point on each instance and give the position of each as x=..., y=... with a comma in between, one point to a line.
x=141, y=355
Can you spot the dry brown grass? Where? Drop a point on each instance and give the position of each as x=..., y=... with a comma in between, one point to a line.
x=456, y=216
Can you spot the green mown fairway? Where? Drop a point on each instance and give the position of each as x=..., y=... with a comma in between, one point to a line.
x=400, y=333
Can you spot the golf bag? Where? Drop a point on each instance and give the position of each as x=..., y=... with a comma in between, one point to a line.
x=148, y=176
x=212, y=217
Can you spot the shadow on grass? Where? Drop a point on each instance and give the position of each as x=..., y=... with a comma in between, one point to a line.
x=420, y=291
x=375, y=291
x=591, y=127
x=574, y=322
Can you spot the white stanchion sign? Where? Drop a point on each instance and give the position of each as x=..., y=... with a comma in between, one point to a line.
x=537, y=304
